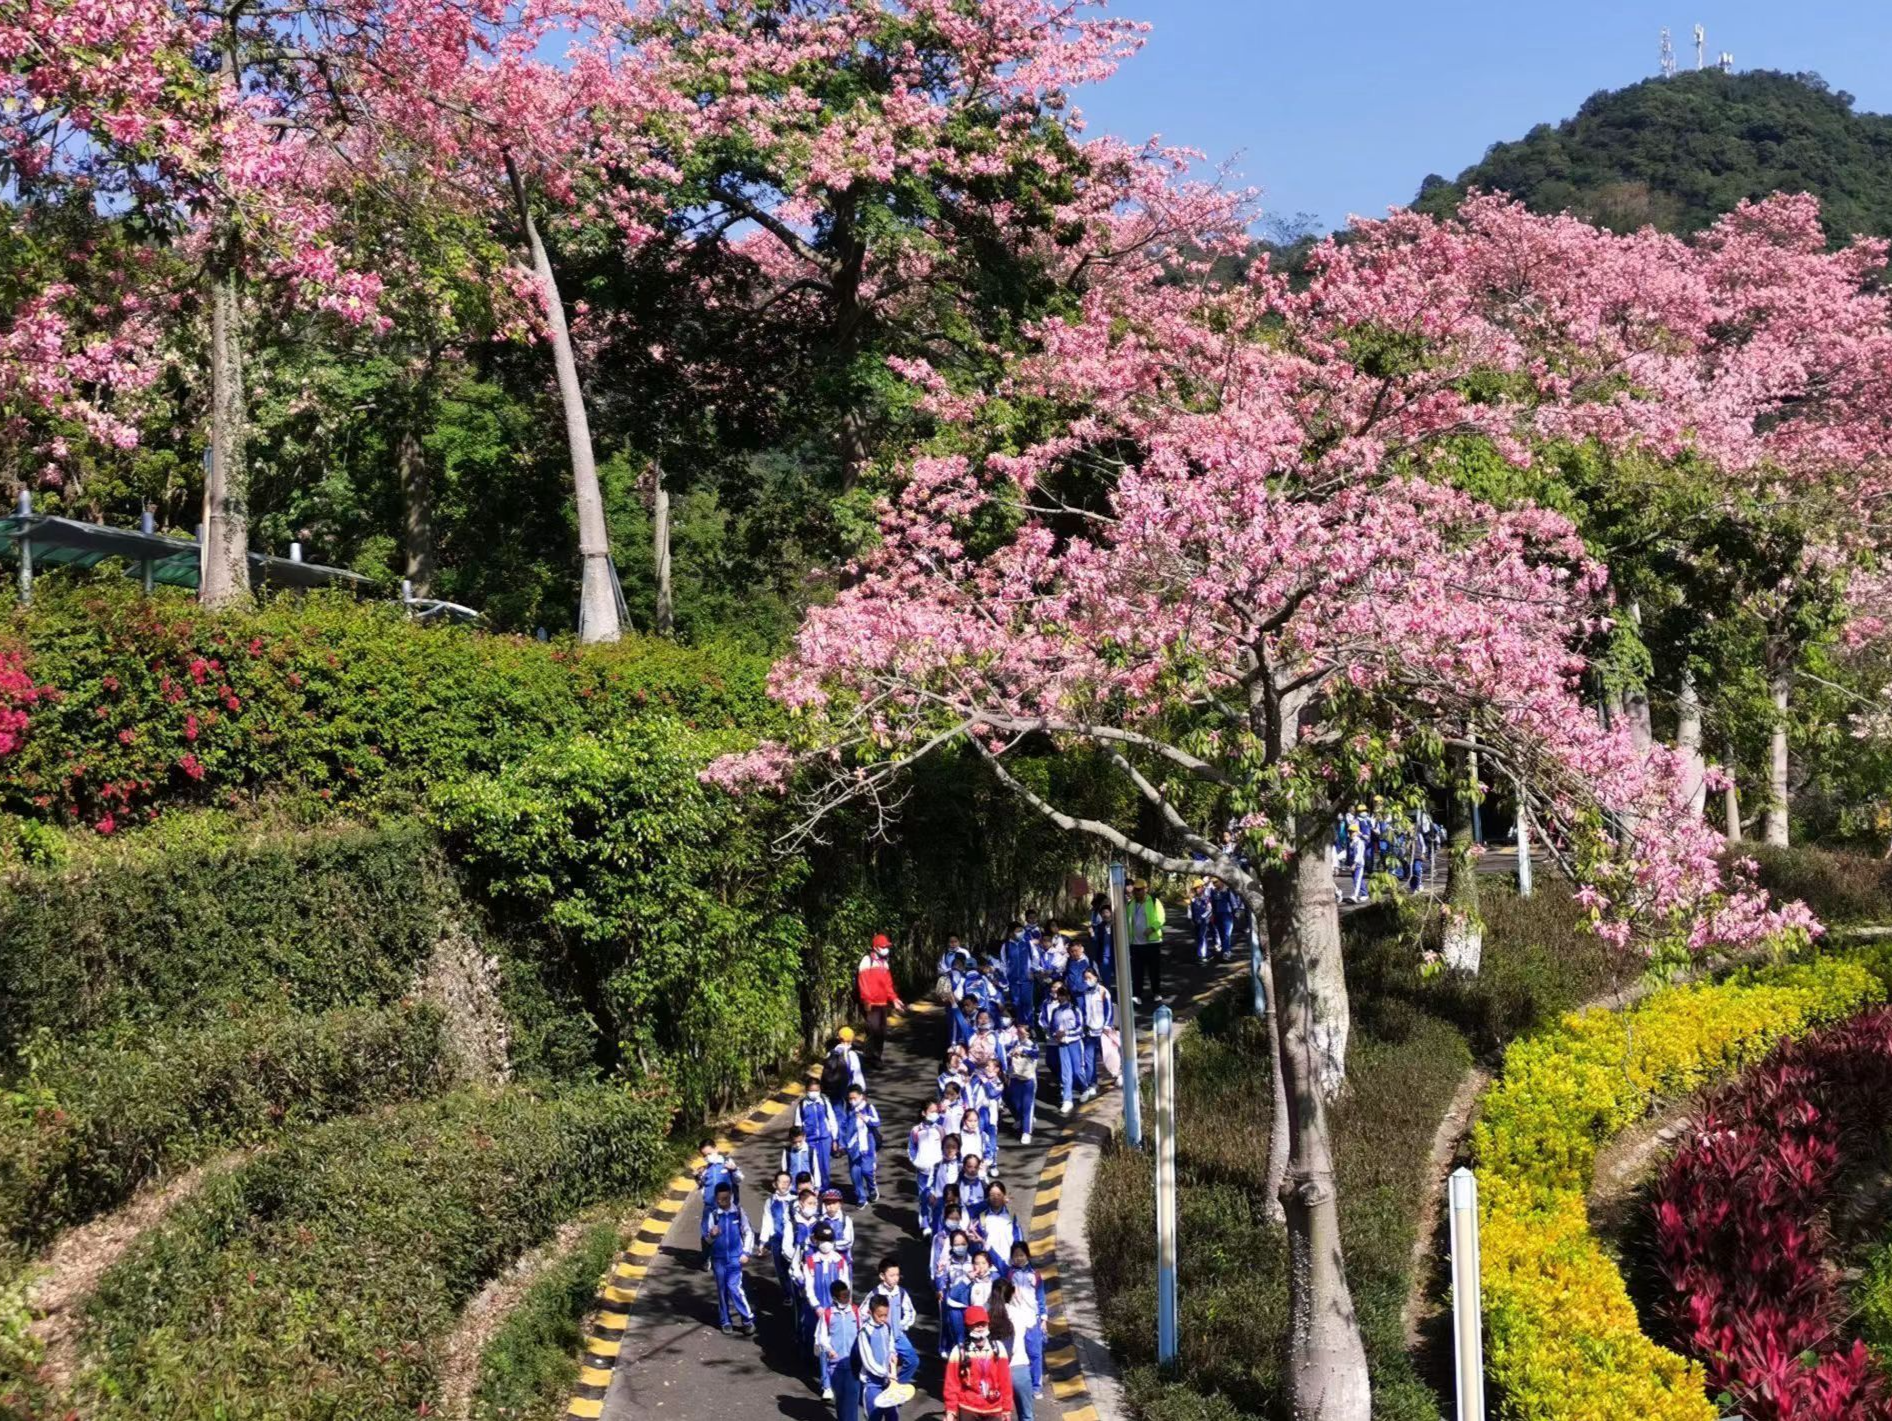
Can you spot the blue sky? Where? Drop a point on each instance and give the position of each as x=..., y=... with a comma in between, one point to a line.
x=1333, y=108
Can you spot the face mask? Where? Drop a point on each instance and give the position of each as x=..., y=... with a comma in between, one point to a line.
x=931, y=1118
x=979, y=1334
x=828, y=1246
x=959, y=1251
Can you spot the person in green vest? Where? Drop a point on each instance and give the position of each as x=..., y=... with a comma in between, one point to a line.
x=1145, y=914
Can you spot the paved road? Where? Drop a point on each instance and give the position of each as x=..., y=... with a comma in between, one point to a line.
x=675, y=1362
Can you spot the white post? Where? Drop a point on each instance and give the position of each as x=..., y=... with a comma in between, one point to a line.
x=25, y=510
x=1126, y=1012
x=1467, y=1306
x=1524, y=850
x=295, y=552
x=1165, y=1188
x=147, y=524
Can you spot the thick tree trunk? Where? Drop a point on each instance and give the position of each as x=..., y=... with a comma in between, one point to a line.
x=1329, y=1015
x=417, y=503
x=1774, y=826
x=1688, y=741
x=666, y=620
x=1326, y=1360
x=597, y=595
x=226, y=547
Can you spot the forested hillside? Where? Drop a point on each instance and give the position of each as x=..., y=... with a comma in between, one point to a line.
x=1677, y=153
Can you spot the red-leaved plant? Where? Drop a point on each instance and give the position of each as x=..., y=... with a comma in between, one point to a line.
x=1741, y=1236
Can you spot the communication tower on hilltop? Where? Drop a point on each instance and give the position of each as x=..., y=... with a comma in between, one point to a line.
x=1668, y=54
x=1701, y=44
x=1725, y=63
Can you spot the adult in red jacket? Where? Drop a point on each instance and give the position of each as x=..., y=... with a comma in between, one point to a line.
x=978, y=1374
x=874, y=982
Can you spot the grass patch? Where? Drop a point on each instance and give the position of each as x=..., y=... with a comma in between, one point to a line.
x=1413, y=1040
x=317, y=1280
x=528, y=1369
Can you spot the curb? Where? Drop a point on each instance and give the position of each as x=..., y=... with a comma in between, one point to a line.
x=610, y=1315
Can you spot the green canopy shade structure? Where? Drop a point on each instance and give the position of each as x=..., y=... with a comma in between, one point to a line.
x=37, y=541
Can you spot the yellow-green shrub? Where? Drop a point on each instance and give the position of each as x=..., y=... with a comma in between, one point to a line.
x=1562, y=1339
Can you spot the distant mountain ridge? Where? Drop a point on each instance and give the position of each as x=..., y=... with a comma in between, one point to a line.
x=1677, y=153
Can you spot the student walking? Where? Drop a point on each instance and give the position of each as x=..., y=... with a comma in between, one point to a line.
x=1064, y=1024
x=818, y=1128
x=860, y=1137
x=730, y=1241
x=901, y=1315
x=1021, y=1078
x=842, y=1069
x=778, y=1231
x=837, y=1331
x=1100, y=1014
x=882, y=1391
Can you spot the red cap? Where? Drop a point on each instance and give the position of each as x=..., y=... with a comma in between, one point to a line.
x=978, y=1317
x=882, y=940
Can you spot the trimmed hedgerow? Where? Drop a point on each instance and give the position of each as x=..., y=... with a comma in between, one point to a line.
x=86, y=1124
x=301, y=922
x=317, y=1279
x=528, y=1368
x=143, y=704
x=1563, y=1342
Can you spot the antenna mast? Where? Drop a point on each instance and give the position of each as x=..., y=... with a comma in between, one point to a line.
x=1701, y=44
x=1668, y=54
x=1726, y=62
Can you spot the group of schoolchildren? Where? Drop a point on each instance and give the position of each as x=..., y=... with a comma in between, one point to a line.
x=1369, y=840
x=1220, y=918
x=1039, y=995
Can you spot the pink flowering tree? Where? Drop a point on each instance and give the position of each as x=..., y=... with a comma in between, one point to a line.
x=1210, y=536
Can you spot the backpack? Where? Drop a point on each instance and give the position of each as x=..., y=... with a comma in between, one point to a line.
x=835, y=1076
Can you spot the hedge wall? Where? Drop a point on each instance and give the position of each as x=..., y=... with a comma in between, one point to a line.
x=302, y=922
x=318, y=1279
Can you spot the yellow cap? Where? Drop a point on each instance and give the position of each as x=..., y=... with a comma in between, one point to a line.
x=847, y=1033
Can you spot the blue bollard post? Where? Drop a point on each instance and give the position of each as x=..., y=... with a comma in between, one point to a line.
x=1165, y=1054
x=1126, y=1013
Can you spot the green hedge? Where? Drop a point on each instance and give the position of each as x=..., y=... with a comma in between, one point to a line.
x=159, y=703
x=316, y=1280
x=529, y=1367
x=303, y=922
x=87, y=1124
x=1839, y=887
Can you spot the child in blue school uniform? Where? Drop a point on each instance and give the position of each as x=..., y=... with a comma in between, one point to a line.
x=819, y=1269
x=988, y=1095
x=1021, y=1077
x=778, y=1231
x=1201, y=918
x=860, y=1138
x=837, y=1327
x=815, y=1117
x=730, y=1241
x=925, y=1151
x=1064, y=1024
x=1027, y=1284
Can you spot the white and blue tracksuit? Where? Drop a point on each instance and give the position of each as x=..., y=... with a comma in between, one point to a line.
x=988, y=1094
x=954, y=1282
x=1021, y=1079
x=1101, y=946
x=1200, y=915
x=1100, y=1014
x=851, y=1063
x=1064, y=1023
x=1000, y=1227
x=860, y=1138
x=879, y=1364
x=729, y=1239
x=1027, y=1283
x=798, y=1160
x=816, y=1118
x=837, y=1329
x=718, y=1170
x=1021, y=966
x=819, y=1273
x=901, y=1315
x=1222, y=905
x=843, y=1228
x=778, y=1237
x=924, y=1151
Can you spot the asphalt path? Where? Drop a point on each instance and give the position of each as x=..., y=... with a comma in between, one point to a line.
x=675, y=1361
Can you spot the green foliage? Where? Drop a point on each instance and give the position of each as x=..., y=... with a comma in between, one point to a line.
x=1840, y=887
x=317, y=1279
x=665, y=906
x=1872, y=1300
x=84, y=1124
x=159, y=703
x=302, y=923
x=1678, y=153
x=1413, y=1041
x=528, y=1369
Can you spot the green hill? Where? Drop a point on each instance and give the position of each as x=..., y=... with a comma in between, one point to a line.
x=1679, y=152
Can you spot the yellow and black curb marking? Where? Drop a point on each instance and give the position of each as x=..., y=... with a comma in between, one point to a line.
x=611, y=1313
